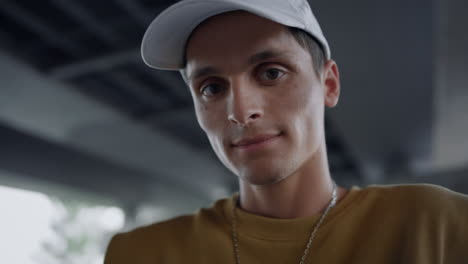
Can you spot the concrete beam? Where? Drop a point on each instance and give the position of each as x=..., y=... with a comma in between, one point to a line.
x=96, y=65
x=45, y=161
x=80, y=14
x=36, y=25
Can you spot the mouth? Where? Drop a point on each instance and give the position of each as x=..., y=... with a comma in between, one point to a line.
x=255, y=142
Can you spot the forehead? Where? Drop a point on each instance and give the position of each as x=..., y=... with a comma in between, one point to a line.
x=235, y=36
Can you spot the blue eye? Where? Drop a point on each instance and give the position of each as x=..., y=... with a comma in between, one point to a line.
x=271, y=74
x=211, y=89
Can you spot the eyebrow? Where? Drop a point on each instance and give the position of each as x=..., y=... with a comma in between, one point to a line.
x=264, y=55
x=257, y=57
x=204, y=71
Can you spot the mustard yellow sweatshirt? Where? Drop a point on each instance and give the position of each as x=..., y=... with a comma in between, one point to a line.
x=377, y=224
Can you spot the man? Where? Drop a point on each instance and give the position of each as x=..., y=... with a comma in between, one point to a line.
x=260, y=73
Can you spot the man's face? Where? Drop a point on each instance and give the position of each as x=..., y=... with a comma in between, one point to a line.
x=256, y=96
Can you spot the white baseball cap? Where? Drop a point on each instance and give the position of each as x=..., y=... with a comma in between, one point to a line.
x=163, y=45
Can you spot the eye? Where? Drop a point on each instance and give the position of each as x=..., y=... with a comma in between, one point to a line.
x=211, y=89
x=271, y=74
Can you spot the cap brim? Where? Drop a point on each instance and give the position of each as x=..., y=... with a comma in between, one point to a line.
x=163, y=44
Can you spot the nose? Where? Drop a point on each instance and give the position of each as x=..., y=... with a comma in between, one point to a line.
x=245, y=104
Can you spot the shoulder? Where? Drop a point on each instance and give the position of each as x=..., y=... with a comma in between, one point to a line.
x=420, y=198
x=152, y=232
x=138, y=245
x=419, y=191
x=178, y=226
x=142, y=244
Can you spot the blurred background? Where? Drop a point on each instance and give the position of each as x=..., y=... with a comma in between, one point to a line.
x=93, y=142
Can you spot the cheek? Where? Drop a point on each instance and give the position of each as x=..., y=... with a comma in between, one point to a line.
x=303, y=97
x=201, y=112
x=204, y=113
x=211, y=121
x=214, y=126
x=305, y=110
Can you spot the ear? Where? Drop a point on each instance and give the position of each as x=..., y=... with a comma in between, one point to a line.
x=331, y=83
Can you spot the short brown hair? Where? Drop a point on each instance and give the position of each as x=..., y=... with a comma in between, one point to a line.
x=310, y=44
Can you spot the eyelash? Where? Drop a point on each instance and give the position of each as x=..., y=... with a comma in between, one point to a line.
x=279, y=71
x=203, y=87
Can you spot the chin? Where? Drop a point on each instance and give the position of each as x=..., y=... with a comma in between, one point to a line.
x=261, y=177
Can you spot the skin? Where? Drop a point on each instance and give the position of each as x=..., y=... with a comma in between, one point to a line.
x=249, y=78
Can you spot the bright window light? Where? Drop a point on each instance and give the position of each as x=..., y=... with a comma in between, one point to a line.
x=37, y=229
x=26, y=218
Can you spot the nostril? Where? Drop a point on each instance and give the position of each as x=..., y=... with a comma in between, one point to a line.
x=244, y=120
x=255, y=116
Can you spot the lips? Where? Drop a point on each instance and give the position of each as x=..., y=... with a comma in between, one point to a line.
x=258, y=139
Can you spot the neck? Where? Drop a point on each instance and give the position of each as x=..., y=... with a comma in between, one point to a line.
x=306, y=192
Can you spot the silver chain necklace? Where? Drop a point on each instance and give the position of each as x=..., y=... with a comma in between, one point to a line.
x=235, y=239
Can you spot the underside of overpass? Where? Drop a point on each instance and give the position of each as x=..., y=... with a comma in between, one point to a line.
x=80, y=110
